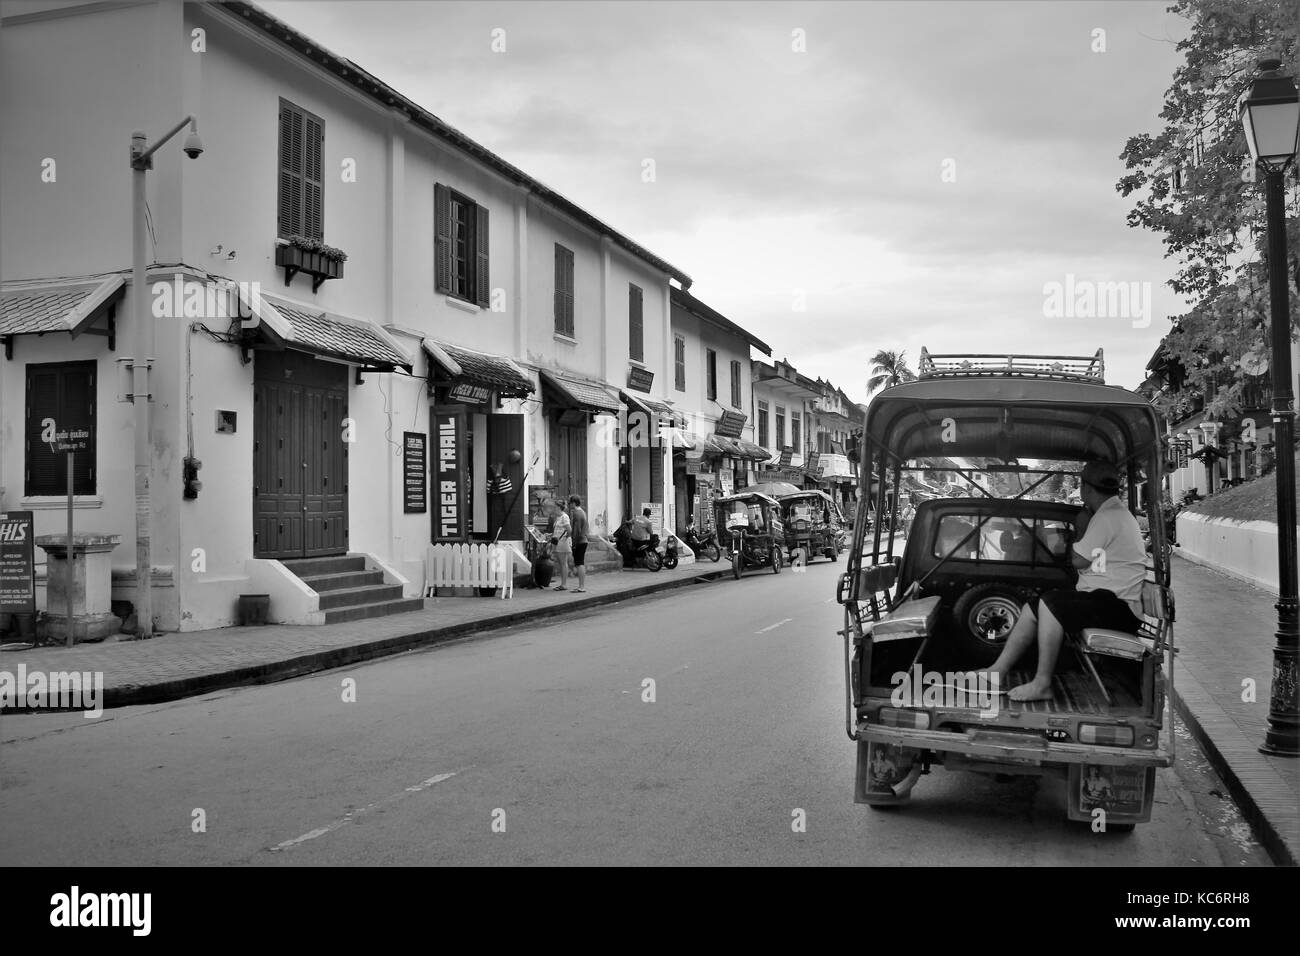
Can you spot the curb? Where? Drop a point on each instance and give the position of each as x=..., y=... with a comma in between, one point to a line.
x=1265, y=828
x=132, y=695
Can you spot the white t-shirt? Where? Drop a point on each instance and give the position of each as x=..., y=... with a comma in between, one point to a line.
x=563, y=533
x=1124, y=558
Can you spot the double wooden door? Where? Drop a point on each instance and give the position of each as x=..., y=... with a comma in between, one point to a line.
x=568, y=446
x=300, y=466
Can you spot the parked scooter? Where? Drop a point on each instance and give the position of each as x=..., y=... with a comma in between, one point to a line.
x=645, y=554
x=702, y=544
x=670, y=554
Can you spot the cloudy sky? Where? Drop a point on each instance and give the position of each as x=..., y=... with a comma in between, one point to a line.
x=915, y=175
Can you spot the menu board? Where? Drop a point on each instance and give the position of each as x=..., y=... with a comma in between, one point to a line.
x=17, y=563
x=538, y=495
x=415, y=499
x=656, y=515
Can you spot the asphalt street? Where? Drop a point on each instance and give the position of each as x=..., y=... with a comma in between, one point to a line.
x=693, y=728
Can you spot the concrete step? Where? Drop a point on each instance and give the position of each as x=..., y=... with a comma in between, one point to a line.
x=368, y=594
x=346, y=579
x=359, y=612
x=334, y=565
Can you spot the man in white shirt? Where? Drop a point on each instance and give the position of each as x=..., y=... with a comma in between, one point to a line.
x=1111, y=560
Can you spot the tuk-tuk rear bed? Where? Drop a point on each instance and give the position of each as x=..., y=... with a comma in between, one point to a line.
x=992, y=745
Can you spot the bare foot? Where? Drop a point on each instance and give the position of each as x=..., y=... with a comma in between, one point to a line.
x=1034, y=690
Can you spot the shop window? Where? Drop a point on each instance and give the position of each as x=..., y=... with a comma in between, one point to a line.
x=461, y=246
x=64, y=392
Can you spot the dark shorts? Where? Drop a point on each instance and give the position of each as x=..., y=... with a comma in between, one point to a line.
x=579, y=555
x=1079, y=609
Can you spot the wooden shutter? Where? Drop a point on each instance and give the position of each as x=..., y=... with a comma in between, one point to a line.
x=735, y=384
x=313, y=213
x=290, y=200
x=712, y=372
x=65, y=393
x=679, y=363
x=483, y=290
x=636, y=324
x=442, y=237
x=563, y=290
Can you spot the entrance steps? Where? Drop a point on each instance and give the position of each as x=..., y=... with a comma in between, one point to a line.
x=348, y=592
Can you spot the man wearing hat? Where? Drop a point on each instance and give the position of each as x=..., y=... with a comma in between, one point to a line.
x=1111, y=560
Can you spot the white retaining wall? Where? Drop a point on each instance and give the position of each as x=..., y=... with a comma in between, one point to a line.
x=1244, y=549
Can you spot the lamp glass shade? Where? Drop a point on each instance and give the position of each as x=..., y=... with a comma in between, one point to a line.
x=1270, y=115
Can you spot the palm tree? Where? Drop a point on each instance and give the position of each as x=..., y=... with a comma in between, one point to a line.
x=889, y=368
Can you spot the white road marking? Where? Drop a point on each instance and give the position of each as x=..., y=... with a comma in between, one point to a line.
x=355, y=814
x=774, y=626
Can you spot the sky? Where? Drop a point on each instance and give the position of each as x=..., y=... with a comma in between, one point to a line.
x=838, y=178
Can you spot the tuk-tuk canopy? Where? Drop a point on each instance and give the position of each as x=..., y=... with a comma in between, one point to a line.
x=1011, y=417
x=747, y=497
x=806, y=493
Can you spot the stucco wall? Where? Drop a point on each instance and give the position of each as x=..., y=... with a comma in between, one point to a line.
x=1244, y=549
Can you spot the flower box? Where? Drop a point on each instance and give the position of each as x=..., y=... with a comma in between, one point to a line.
x=316, y=264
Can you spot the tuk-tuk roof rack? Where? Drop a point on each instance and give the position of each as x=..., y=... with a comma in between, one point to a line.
x=1075, y=368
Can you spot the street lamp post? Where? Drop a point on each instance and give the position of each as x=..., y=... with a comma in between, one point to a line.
x=1270, y=113
x=141, y=395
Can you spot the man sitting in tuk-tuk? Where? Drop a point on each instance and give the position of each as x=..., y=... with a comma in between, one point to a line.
x=1111, y=561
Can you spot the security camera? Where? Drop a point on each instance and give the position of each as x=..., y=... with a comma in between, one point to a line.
x=193, y=145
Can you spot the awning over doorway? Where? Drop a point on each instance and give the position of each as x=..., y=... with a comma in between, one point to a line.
x=336, y=336
x=480, y=368
x=740, y=448
x=573, y=392
x=38, y=306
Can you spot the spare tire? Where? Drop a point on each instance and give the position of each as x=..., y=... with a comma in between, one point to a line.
x=983, y=618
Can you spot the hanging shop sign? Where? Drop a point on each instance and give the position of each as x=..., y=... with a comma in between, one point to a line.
x=730, y=424
x=725, y=482
x=787, y=455
x=17, y=563
x=450, y=478
x=641, y=379
x=415, y=499
x=464, y=392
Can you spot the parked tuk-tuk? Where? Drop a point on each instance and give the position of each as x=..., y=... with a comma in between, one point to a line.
x=920, y=626
x=750, y=528
x=812, y=525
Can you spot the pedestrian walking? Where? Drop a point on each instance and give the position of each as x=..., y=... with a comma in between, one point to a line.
x=578, y=534
x=561, y=543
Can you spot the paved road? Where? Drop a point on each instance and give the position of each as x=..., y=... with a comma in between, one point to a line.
x=546, y=731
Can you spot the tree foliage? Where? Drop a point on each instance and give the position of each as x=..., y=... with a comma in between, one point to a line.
x=888, y=369
x=1192, y=183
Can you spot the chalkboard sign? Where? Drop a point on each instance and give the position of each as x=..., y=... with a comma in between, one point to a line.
x=17, y=563
x=538, y=495
x=415, y=499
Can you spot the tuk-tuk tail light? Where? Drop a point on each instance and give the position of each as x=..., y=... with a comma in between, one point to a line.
x=1106, y=735
x=904, y=717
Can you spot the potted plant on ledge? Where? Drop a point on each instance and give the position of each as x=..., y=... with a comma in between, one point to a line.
x=303, y=254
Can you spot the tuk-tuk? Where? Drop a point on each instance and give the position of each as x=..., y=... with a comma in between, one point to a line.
x=751, y=531
x=812, y=525
x=922, y=627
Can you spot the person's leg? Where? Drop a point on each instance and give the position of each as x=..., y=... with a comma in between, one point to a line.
x=582, y=570
x=1050, y=637
x=562, y=565
x=1022, y=636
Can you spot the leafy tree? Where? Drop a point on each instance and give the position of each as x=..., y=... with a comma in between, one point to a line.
x=1193, y=183
x=888, y=369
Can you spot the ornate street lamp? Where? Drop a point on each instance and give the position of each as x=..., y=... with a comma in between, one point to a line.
x=1270, y=113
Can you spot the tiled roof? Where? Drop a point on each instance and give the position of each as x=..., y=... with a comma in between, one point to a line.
x=582, y=393
x=331, y=335
x=496, y=371
x=27, y=308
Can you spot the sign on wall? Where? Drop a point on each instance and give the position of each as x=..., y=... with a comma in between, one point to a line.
x=414, y=466
x=450, y=478
x=465, y=392
x=17, y=563
x=725, y=482
x=656, y=515
x=730, y=424
x=640, y=379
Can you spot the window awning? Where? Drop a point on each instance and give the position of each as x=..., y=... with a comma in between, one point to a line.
x=480, y=368
x=572, y=392
x=740, y=448
x=652, y=408
x=341, y=337
x=38, y=306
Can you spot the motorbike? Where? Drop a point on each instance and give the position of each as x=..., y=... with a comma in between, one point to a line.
x=670, y=554
x=703, y=544
x=645, y=554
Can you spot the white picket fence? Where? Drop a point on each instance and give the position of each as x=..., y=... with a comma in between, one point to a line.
x=469, y=566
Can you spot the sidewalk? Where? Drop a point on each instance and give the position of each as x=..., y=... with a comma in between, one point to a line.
x=172, y=666
x=1224, y=635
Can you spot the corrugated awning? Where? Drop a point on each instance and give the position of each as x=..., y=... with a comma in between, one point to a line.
x=740, y=448
x=353, y=340
x=481, y=368
x=38, y=306
x=652, y=408
x=581, y=393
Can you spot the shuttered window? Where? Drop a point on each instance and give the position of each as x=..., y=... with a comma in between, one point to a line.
x=735, y=384
x=563, y=290
x=635, y=324
x=679, y=363
x=796, y=428
x=780, y=426
x=301, y=194
x=762, y=423
x=711, y=366
x=64, y=392
x=460, y=228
